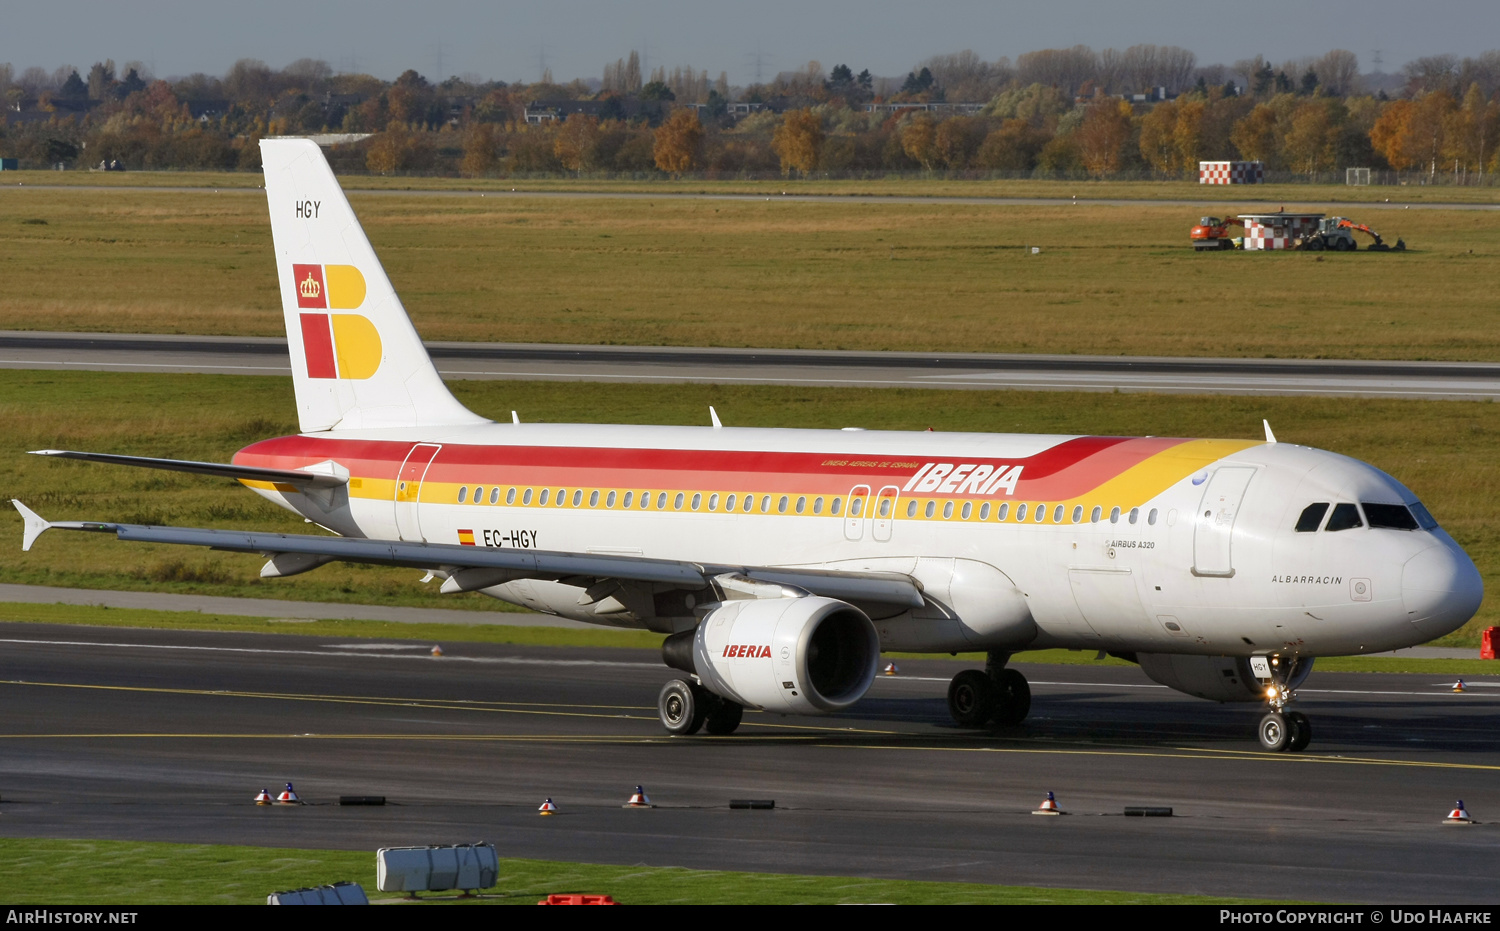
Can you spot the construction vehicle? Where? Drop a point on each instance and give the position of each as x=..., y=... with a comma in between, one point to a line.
x=1337, y=234
x=1213, y=233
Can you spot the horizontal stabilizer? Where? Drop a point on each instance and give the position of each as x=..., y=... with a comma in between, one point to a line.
x=297, y=478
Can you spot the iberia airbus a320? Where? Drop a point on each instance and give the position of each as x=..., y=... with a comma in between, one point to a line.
x=781, y=562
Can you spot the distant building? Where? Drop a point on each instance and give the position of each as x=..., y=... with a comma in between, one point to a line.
x=951, y=109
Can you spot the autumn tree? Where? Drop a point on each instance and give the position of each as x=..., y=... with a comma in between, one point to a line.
x=798, y=141
x=577, y=142
x=1103, y=136
x=1159, y=139
x=678, y=142
x=479, y=150
x=1013, y=147
x=955, y=142
x=1472, y=130
x=919, y=139
x=1311, y=140
x=1255, y=135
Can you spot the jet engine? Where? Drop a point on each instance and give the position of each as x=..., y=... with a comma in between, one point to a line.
x=1216, y=678
x=807, y=655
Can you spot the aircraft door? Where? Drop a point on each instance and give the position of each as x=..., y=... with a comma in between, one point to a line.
x=854, y=514
x=1214, y=528
x=409, y=491
x=883, y=519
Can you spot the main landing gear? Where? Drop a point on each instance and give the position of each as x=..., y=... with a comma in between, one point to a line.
x=977, y=697
x=1282, y=730
x=686, y=707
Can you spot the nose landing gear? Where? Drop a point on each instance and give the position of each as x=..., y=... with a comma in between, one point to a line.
x=1282, y=730
x=996, y=694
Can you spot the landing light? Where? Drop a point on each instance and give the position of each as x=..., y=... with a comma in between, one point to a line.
x=1271, y=692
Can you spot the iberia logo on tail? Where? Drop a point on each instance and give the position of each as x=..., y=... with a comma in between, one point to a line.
x=336, y=345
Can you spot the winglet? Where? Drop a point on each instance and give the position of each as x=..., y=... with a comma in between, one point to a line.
x=714, y=416
x=35, y=525
x=1270, y=437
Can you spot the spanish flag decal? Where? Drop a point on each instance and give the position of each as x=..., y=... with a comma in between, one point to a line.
x=336, y=345
x=466, y=537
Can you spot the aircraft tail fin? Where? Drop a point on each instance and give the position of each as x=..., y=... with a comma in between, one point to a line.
x=357, y=362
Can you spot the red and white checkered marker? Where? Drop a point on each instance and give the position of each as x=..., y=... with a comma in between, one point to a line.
x=547, y=808
x=288, y=796
x=890, y=669
x=1458, y=815
x=264, y=798
x=1049, y=806
x=638, y=799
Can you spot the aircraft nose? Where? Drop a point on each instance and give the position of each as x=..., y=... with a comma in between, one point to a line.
x=1441, y=588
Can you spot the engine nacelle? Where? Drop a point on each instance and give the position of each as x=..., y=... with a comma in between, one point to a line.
x=1216, y=678
x=807, y=655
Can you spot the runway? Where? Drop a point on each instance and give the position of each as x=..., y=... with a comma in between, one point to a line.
x=155, y=735
x=676, y=365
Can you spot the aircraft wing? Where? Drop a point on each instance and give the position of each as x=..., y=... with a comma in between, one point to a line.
x=473, y=567
x=331, y=477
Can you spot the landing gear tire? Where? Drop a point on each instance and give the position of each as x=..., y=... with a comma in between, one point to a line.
x=682, y=707
x=1301, y=731
x=972, y=698
x=1276, y=732
x=724, y=718
x=1013, y=698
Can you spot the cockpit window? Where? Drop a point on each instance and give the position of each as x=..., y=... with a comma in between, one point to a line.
x=1425, y=520
x=1389, y=516
x=1312, y=517
x=1345, y=517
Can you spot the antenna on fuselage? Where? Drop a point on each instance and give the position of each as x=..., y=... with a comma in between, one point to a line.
x=1270, y=437
x=714, y=416
x=514, y=417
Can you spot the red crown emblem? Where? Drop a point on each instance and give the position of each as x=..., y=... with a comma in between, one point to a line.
x=310, y=287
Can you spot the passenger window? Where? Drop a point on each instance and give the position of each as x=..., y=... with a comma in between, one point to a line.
x=479, y=494
x=593, y=499
x=835, y=506
x=1057, y=514
x=801, y=504
x=885, y=507
x=1345, y=517
x=629, y=496
x=526, y=498
x=562, y=494
x=610, y=501
x=984, y=511
x=749, y=503
x=1151, y=518
x=494, y=496
x=1077, y=513
x=729, y=503
x=463, y=492
x=857, y=506
x=677, y=502
x=947, y=510
x=697, y=500
x=765, y=504
x=1312, y=517
x=930, y=509
x=1095, y=514
x=1389, y=516
x=713, y=502
x=1114, y=515
x=781, y=505
x=1020, y=512
x=1134, y=513
x=661, y=501
x=510, y=496
x=1041, y=513
x=1003, y=512
x=911, y=508
x=817, y=505
x=968, y=509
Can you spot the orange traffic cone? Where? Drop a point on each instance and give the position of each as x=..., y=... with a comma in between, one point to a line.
x=264, y=798
x=1459, y=686
x=890, y=669
x=1049, y=806
x=1458, y=815
x=638, y=799
x=288, y=796
x=547, y=808
x=437, y=651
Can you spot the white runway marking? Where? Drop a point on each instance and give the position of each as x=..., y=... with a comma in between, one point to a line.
x=499, y=660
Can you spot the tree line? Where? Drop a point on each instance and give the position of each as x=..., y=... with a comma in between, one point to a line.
x=1146, y=111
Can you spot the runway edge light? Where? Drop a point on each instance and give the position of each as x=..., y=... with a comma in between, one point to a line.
x=264, y=798
x=437, y=651
x=1459, y=815
x=1459, y=686
x=638, y=799
x=891, y=670
x=1049, y=806
x=288, y=796
x=547, y=808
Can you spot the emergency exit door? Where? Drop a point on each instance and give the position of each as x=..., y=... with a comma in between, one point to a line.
x=409, y=491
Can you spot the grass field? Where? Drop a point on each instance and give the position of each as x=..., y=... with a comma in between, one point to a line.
x=1447, y=452
x=890, y=186
x=107, y=873
x=771, y=273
